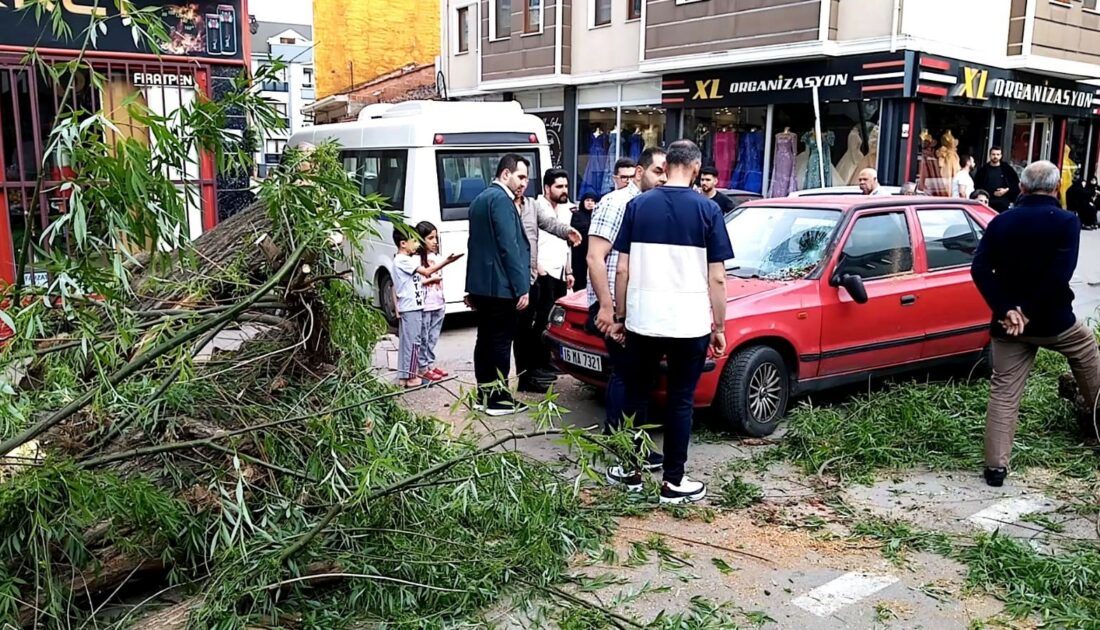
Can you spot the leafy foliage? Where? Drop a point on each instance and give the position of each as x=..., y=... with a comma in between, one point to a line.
x=936, y=425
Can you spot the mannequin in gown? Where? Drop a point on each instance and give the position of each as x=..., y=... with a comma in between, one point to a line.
x=848, y=164
x=948, y=157
x=651, y=136
x=801, y=166
x=615, y=146
x=870, y=160
x=1069, y=170
x=597, y=162
x=637, y=144
x=725, y=154
x=818, y=156
x=930, y=180
x=748, y=174
x=783, y=180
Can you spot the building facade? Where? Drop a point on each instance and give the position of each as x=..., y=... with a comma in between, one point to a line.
x=208, y=47
x=784, y=94
x=293, y=91
x=365, y=39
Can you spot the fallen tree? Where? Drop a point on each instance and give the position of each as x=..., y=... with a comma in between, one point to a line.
x=148, y=481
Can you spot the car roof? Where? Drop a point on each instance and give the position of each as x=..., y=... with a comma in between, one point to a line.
x=852, y=203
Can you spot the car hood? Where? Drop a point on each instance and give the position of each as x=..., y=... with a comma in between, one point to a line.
x=736, y=289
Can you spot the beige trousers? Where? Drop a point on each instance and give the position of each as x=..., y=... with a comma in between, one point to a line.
x=1013, y=359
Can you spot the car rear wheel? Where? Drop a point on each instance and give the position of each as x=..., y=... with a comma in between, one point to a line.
x=753, y=391
x=385, y=297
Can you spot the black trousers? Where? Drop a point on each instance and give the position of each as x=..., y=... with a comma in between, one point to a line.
x=496, y=330
x=549, y=291
x=527, y=343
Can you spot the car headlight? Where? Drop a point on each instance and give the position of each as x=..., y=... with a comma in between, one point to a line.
x=557, y=316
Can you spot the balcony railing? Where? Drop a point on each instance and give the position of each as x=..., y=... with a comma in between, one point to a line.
x=309, y=93
x=275, y=86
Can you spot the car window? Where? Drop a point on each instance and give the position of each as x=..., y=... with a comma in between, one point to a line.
x=877, y=246
x=379, y=172
x=950, y=237
x=464, y=174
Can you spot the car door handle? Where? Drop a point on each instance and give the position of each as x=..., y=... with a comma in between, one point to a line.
x=908, y=300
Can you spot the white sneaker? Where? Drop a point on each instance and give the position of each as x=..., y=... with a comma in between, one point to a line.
x=688, y=491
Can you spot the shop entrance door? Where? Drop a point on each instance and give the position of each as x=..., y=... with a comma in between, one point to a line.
x=1031, y=139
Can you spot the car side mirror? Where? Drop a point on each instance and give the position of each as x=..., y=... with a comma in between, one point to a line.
x=853, y=284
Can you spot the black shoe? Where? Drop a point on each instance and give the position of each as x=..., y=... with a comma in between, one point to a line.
x=620, y=476
x=533, y=386
x=995, y=476
x=687, y=491
x=653, y=462
x=503, y=406
x=545, y=374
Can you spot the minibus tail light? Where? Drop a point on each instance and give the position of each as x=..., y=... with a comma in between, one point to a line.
x=533, y=139
x=439, y=138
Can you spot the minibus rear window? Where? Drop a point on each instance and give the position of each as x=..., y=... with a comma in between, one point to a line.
x=463, y=174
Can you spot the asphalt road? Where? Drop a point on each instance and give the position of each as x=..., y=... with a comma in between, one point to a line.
x=777, y=566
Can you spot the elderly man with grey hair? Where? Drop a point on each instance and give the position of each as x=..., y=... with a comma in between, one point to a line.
x=1022, y=268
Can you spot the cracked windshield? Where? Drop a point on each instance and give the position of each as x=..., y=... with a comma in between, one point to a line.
x=778, y=243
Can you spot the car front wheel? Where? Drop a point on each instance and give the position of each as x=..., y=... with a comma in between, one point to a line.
x=753, y=391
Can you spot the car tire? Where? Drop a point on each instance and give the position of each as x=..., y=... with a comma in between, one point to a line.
x=753, y=391
x=385, y=298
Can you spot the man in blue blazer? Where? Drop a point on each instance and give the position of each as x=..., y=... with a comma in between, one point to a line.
x=498, y=279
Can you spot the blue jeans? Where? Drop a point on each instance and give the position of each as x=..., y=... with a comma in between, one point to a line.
x=686, y=358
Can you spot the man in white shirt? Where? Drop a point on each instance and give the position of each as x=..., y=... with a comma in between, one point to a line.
x=963, y=184
x=555, y=275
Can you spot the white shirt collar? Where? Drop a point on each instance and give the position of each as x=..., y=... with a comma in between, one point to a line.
x=511, y=194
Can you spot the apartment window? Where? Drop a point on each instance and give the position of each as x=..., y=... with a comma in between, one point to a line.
x=634, y=9
x=464, y=29
x=532, y=16
x=601, y=12
x=1092, y=5
x=307, y=77
x=502, y=28
x=287, y=40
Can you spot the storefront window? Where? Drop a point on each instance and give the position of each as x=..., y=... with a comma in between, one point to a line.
x=949, y=132
x=732, y=141
x=849, y=144
x=601, y=142
x=1032, y=136
x=1077, y=161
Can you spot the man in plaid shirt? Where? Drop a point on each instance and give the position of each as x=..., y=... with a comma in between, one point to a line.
x=602, y=262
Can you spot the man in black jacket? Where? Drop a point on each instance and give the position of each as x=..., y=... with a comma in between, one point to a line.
x=999, y=179
x=1023, y=268
x=498, y=280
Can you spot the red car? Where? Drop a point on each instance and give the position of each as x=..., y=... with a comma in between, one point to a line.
x=824, y=291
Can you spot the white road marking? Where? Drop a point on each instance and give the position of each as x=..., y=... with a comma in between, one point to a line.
x=1006, y=512
x=843, y=591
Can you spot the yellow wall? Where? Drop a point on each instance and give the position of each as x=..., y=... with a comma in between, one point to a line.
x=357, y=40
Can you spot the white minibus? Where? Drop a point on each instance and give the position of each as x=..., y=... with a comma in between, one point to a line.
x=429, y=159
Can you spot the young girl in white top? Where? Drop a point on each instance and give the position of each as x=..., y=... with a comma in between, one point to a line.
x=435, y=303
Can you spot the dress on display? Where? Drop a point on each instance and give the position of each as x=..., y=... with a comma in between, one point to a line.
x=931, y=181
x=849, y=162
x=594, y=172
x=725, y=153
x=651, y=136
x=1069, y=169
x=637, y=145
x=705, y=140
x=749, y=172
x=614, y=148
x=813, y=170
x=783, y=179
x=868, y=161
x=948, y=157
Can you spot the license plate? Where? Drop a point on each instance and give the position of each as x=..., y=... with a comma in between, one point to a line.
x=586, y=360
